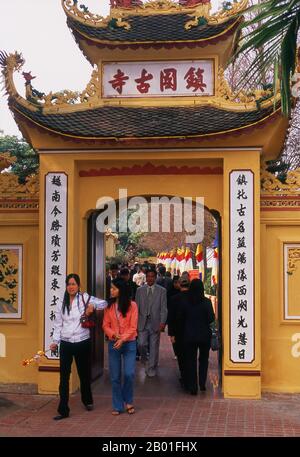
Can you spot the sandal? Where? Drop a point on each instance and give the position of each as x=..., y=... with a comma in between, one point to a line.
x=115, y=413
x=130, y=409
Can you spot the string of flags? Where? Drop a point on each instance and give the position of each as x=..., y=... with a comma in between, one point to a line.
x=180, y=260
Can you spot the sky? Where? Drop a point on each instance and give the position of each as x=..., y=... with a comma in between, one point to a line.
x=37, y=29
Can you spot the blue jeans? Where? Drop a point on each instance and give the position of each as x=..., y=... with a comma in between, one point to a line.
x=122, y=393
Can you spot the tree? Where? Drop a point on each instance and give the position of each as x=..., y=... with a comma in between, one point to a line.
x=27, y=162
x=137, y=244
x=291, y=150
x=166, y=241
x=275, y=35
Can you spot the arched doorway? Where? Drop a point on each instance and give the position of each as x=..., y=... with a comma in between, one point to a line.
x=96, y=273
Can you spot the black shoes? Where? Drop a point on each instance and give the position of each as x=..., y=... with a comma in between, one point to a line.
x=60, y=417
x=89, y=407
x=202, y=388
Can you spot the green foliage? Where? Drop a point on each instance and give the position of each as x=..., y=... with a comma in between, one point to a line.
x=274, y=40
x=116, y=260
x=146, y=253
x=207, y=281
x=27, y=162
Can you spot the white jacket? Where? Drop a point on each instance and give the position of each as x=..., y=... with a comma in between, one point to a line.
x=67, y=327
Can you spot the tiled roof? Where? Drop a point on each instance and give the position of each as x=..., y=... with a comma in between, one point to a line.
x=158, y=28
x=150, y=122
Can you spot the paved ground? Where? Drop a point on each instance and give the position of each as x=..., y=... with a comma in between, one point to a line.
x=162, y=409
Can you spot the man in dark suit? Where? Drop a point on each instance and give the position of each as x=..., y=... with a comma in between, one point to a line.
x=152, y=305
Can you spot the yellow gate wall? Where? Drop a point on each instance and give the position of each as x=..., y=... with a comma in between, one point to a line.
x=85, y=192
x=280, y=367
x=21, y=335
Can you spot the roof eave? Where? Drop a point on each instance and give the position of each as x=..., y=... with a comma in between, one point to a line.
x=268, y=134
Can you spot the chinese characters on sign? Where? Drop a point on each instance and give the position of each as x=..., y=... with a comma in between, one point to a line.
x=55, y=248
x=142, y=79
x=241, y=266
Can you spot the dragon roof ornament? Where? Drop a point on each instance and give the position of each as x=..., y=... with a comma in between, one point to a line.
x=91, y=96
x=82, y=14
x=198, y=10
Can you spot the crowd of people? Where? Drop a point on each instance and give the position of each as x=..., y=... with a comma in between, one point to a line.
x=141, y=300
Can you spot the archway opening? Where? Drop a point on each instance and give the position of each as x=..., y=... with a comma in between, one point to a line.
x=129, y=249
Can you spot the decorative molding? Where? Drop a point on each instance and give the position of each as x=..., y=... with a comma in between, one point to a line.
x=110, y=234
x=10, y=188
x=242, y=373
x=6, y=160
x=70, y=101
x=202, y=16
x=150, y=169
x=293, y=259
x=49, y=369
x=254, y=99
x=280, y=203
x=83, y=15
x=21, y=205
x=277, y=195
x=271, y=185
x=119, y=11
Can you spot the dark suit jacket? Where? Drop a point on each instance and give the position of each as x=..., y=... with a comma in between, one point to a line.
x=197, y=321
x=177, y=314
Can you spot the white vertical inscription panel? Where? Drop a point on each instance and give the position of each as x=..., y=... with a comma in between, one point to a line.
x=56, y=207
x=241, y=266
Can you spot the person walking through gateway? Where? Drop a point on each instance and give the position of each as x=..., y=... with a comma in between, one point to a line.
x=176, y=326
x=199, y=314
x=120, y=326
x=74, y=342
x=152, y=305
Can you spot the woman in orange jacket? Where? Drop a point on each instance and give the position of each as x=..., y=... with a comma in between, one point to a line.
x=120, y=326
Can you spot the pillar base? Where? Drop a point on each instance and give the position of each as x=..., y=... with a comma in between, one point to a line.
x=242, y=387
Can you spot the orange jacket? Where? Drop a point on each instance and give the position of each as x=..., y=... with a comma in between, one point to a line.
x=126, y=326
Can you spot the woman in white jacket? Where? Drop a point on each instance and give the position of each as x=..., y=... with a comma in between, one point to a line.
x=74, y=342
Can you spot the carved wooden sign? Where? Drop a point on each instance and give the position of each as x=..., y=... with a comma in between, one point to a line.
x=158, y=79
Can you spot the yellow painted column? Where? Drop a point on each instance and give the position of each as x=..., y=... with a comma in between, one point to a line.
x=48, y=374
x=241, y=378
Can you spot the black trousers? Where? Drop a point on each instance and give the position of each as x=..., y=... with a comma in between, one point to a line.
x=191, y=352
x=82, y=354
x=179, y=349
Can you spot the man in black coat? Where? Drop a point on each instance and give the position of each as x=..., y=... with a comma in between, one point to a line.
x=176, y=325
x=199, y=315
